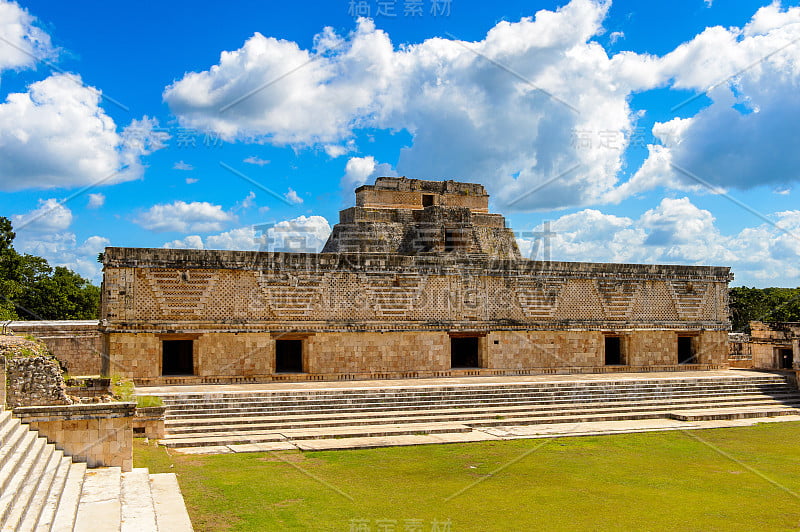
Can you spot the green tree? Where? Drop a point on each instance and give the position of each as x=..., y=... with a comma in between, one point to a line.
x=31, y=289
x=763, y=304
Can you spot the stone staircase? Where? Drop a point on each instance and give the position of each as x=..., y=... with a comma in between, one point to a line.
x=272, y=416
x=43, y=490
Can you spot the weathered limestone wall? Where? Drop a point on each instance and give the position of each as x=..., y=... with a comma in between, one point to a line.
x=242, y=354
x=134, y=355
x=374, y=313
x=149, y=422
x=767, y=338
x=367, y=353
x=373, y=352
x=98, y=434
x=76, y=344
x=544, y=349
x=34, y=380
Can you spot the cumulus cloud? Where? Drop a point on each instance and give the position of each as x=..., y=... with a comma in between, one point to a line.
x=50, y=216
x=180, y=165
x=24, y=42
x=180, y=216
x=57, y=135
x=304, y=234
x=746, y=136
x=512, y=106
x=677, y=232
x=96, y=201
x=361, y=170
x=63, y=249
x=292, y=197
x=509, y=126
x=189, y=242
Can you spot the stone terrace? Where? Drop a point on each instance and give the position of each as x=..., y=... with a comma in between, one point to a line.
x=310, y=416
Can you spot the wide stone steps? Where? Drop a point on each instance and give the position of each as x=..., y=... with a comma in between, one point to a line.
x=43, y=490
x=345, y=412
x=473, y=392
x=465, y=415
x=349, y=404
x=180, y=398
x=281, y=417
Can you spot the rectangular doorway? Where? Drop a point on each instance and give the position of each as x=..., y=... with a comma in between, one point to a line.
x=177, y=357
x=464, y=352
x=613, y=351
x=686, y=350
x=288, y=356
x=785, y=359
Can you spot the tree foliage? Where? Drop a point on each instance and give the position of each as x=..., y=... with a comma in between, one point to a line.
x=30, y=289
x=763, y=304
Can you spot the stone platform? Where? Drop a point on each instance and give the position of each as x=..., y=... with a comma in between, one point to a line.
x=314, y=416
x=43, y=489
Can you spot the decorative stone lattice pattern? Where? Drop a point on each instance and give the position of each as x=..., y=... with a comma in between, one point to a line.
x=291, y=294
x=392, y=294
x=538, y=297
x=617, y=297
x=385, y=292
x=689, y=298
x=181, y=292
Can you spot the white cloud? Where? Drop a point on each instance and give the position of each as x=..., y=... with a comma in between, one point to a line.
x=501, y=130
x=191, y=180
x=26, y=43
x=180, y=165
x=62, y=249
x=50, y=216
x=94, y=245
x=189, y=242
x=614, y=36
x=746, y=137
x=96, y=201
x=57, y=135
x=249, y=201
x=292, y=197
x=197, y=216
x=304, y=234
x=678, y=232
x=256, y=160
x=361, y=170
x=515, y=132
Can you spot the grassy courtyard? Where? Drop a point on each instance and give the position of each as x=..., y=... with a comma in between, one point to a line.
x=723, y=479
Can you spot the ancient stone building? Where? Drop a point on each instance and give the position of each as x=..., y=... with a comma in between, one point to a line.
x=770, y=346
x=418, y=279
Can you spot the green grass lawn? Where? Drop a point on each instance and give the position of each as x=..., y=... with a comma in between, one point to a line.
x=652, y=481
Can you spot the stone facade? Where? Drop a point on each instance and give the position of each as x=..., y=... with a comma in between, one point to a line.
x=399, y=215
x=773, y=345
x=99, y=434
x=394, y=308
x=76, y=344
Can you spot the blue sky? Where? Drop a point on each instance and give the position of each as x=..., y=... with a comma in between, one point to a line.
x=638, y=131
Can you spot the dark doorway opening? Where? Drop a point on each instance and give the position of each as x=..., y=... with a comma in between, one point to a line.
x=785, y=358
x=427, y=200
x=464, y=352
x=613, y=351
x=177, y=358
x=450, y=241
x=288, y=356
x=686, y=350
